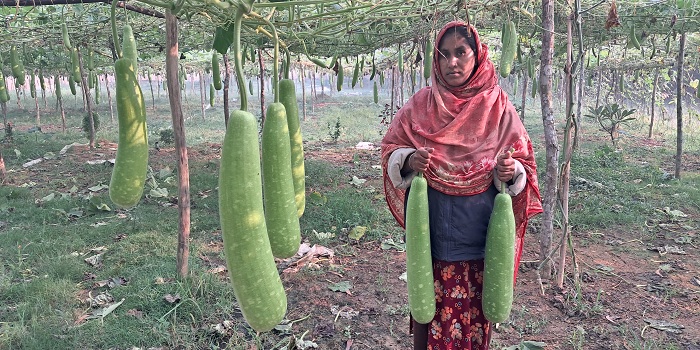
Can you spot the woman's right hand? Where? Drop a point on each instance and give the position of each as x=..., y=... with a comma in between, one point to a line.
x=419, y=160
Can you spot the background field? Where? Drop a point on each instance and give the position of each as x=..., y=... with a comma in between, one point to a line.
x=634, y=235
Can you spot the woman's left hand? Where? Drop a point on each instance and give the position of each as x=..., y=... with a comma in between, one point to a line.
x=505, y=166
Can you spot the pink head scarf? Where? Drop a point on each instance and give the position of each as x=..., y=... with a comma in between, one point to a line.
x=468, y=126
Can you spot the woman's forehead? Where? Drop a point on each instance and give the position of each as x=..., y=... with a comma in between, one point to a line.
x=453, y=40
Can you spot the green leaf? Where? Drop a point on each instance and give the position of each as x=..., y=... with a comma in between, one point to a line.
x=159, y=192
x=342, y=286
x=317, y=198
x=223, y=39
x=98, y=188
x=48, y=198
x=97, y=204
x=390, y=244
x=357, y=232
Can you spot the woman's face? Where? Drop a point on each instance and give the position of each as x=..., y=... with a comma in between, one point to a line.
x=456, y=59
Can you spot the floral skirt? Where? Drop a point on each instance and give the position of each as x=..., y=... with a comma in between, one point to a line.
x=459, y=322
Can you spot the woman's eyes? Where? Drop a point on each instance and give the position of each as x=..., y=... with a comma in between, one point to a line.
x=447, y=54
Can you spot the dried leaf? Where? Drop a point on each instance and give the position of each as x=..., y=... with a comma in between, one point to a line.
x=357, y=181
x=172, y=299
x=604, y=268
x=98, y=188
x=94, y=260
x=613, y=20
x=32, y=162
x=404, y=276
x=161, y=280
x=323, y=235
x=665, y=326
x=217, y=270
x=101, y=313
x=345, y=311
x=669, y=249
x=135, y=313
x=683, y=240
x=390, y=244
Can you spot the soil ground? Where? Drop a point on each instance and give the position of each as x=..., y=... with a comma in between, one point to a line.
x=631, y=295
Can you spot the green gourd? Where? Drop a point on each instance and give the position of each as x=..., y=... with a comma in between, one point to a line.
x=508, y=53
x=419, y=266
x=499, y=260
x=91, y=80
x=339, y=83
x=288, y=97
x=212, y=91
x=32, y=85
x=355, y=74
x=215, y=71
x=131, y=164
x=17, y=67
x=278, y=185
x=376, y=93
x=57, y=86
x=97, y=90
x=4, y=95
x=318, y=62
x=75, y=65
x=66, y=38
x=129, y=46
x=427, y=59
x=251, y=265
x=42, y=83
x=91, y=60
x=71, y=85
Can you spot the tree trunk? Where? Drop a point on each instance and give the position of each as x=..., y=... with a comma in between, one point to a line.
x=393, y=89
x=600, y=83
x=303, y=94
x=36, y=107
x=679, y=107
x=109, y=98
x=88, y=99
x=653, y=101
x=262, y=86
x=59, y=101
x=171, y=68
x=550, y=134
x=4, y=115
x=153, y=96
x=2, y=161
x=227, y=80
x=202, y=97
x=524, y=99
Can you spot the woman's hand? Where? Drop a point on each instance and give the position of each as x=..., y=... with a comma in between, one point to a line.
x=505, y=166
x=419, y=160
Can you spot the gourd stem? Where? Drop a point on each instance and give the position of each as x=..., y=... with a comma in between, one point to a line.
x=238, y=59
x=115, y=38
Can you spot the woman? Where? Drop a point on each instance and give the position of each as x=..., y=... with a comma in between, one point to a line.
x=465, y=136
